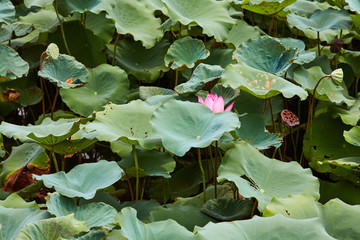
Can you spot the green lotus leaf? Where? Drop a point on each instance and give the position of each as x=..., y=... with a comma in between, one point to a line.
x=353, y=136
x=259, y=83
x=94, y=234
x=72, y=146
x=12, y=66
x=303, y=8
x=185, y=53
x=147, y=92
x=336, y=224
x=304, y=56
x=351, y=115
x=29, y=96
x=329, y=150
x=253, y=131
x=83, y=44
x=300, y=206
x=187, y=216
x=62, y=69
x=12, y=220
x=70, y=6
x=15, y=201
x=7, y=11
x=49, y=132
x=203, y=74
x=267, y=178
x=276, y=227
x=145, y=64
x=242, y=32
x=214, y=18
x=321, y=19
x=39, y=3
x=101, y=26
x=182, y=125
x=266, y=7
x=228, y=209
x=327, y=90
x=220, y=56
x=151, y=163
x=354, y=5
x=266, y=54
x=135, y=18
x=134, y=128
x=27, y=154
x=134, y=229
x=53, y=228
x=43, y=21
x=17, y=29
x=83, y=180
x=143, y=208
x=106, y=84
x=94, y=214
x=228, y=94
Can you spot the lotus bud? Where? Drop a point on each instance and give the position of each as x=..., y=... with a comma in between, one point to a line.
x=337, y=76
x=53, y=51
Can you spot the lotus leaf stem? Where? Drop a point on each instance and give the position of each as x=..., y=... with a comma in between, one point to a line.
x=272, y=115
x=318, y=42
x=214, y=170
x=202, y=174
x=54, y=159
x=137, y=173
x=176, y=77
x=61, y=27
x=115, y=44
x=54, y=103
x=130, y=187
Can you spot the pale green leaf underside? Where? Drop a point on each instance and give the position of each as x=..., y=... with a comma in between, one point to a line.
x=83, y=180
x=7, y=11
x=353, y=136
x=270, y=178
x=12, y=66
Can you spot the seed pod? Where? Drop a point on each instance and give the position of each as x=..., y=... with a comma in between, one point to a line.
x=336, y=45
x=337, y=76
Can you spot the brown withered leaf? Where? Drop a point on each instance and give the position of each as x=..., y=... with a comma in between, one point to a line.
x=10, y=95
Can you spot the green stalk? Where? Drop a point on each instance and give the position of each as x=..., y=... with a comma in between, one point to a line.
x=137, y=173
x=116, y=40
x=214, y=170
x=54, y=159
x=176, y=77
x=61, y=27
x=272, y=115
x=202, y=173
x=318, y=43
x=54, y=103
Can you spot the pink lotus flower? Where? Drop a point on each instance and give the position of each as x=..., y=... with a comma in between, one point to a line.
x=215, y=103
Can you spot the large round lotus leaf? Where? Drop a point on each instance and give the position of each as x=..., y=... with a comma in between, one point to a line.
x=304, y=56
x=228, y=209
x=94, y=234
x=259, y=83
x=295, y=206
x=12, y=66
x=12, y=220
x=135, y=18
x=253, y=131
x=83, y=44
x=134, y=127
x=15, y=201
x=354, y=5
x=94, y=214
x=350, y=116
x=7, y=11
x=101, y=26
x=71, y=146
x=29, y=154
x=145, y=64
x=327, y=90
x=147, y=92
x=143, y=208
x=202, y=74
x=266, y=7
x=266, y=54
x=220, y=56
x=62, y=69
x=49, y=132
x=187, y=216
x=303, y=8
x=214, y=18
x=43, y=21
x=185, y=53
x=70, y=6
x=276, y=227
x=265, y=178
x=39, y=3
x=53, y=228
x=183, y=125
x=17, y=28
x=228, y=94
x=106, y=84
x=341, y=220
x=353, y=136
x=241, y=32
x=133, y=229
x=151, y=163
x=83, y=180
x=321, y=19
